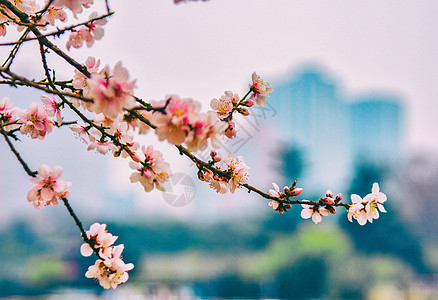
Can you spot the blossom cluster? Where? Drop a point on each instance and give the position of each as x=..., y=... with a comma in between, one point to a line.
x=322, y=209
x=288, y=192
x=48, y=187
x=233, y=177
x=109, y=269
x=180, y=121
x=36, y=121
x=31, y=7
x=86, y=33
x=367, y=209
x=111, y=91
x=151, y=171
x=229, y=103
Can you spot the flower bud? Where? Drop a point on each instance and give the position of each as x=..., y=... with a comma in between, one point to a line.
x=331, y=209
x=328, y=200
x=243, y=111
x=329, y=194
x=296, y=192
x=248, y=103
x=136, y=158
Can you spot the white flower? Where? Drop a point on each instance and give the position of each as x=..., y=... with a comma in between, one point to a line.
x=309, y=211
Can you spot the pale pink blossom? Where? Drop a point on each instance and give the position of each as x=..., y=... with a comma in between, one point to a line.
x=230, y=132
x=314, y=212
x=99, y=237
x=225, y=104
x=27, y=6
x=6, y=105
x=121, y=133
x=152, y=171
x=109, y=278
x=260, y=89
x=376, y=198
x=53, y=14
x=357, y=211
x=207, y=127
x=35, y=122
x=239, y=171
x=80, y=81
x=274, y=193
x=87, y=33
x=111, y=92
x=48, y=187
x=81, y=129
x=76, y=6
x=102, y=146
x=219, y=185
x=367, y=209
x=181, y=121
x=52, y=107
x=174, y=123
x=9, y=114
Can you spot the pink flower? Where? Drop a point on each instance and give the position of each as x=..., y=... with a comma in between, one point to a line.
x=52, y=107
x=109, y=278
x=8, y=114
x=357, y=210
x=260, y=90
x=111, y=92
x=206, y=127
x=182, y=122
x=230, y=132
x=102, y=146
x=75, y=6
x=35, y=122
x=225, y=104
x=87, y=33
x=110, y=270
x=239, y=171
x=376, y=198
x=152, y=171
x=48, y=187
x=53, y=14
x=314, y=212
x=81, y=129
x=80, y=81
x=367, y=209
x=173, y=124
x=274, y=193
x=120, y=131
x=99, y=237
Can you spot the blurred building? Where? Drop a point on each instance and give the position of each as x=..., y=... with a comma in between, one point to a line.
x=376, y=124
x=332, y=130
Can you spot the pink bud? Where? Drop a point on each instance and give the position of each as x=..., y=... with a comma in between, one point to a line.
x=296, y=191
x=329, y=194
x=136, y=158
